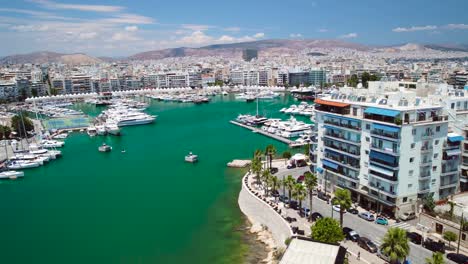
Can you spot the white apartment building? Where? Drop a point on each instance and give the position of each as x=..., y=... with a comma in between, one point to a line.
x=389, y=149
x=81, y=83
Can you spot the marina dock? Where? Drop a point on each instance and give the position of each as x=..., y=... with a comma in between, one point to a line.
x=239, y=163
x=291, y=143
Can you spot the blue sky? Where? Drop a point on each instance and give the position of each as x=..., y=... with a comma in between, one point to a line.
x=123, y=27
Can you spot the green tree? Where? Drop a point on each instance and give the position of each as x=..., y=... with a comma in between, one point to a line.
x=395, y=244
x=307, y=150
x=365, y=77
x=437, y=258
x=5, y=132
x=428, y=203
x=286, y=155
x=452, y=208
x=34, y=92
x=450, y=236
x=343, y=199
x=289, y=183
x=299, y=193
x=310, y=181
x=327, y=230
x=274, y=183
x=374, y=78
x=266, y=175
x=270, y=151
x=21, y=123
x=256, y=165
x=353, y=80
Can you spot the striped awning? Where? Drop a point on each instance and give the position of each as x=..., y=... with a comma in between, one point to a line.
x=330, y=164
x=382, y=111
x=391, y=129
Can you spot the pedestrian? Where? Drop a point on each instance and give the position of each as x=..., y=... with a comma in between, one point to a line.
x=359, y=255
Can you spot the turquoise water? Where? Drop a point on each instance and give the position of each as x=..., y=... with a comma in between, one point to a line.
x=142, y=206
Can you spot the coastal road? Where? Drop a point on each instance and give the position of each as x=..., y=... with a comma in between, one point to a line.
x=375, y=232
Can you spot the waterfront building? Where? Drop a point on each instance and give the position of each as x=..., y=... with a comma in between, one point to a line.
x=81, y=83
x=317, y=77
x=8, y=90
x=389, y=149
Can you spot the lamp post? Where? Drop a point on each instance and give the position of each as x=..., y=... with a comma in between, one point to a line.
x=461, y=226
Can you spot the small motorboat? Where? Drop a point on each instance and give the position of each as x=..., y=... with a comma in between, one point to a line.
x=191, y=158
x=104, y=148
x=11, y=174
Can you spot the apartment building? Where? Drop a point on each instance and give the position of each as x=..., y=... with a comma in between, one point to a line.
x=389, y=149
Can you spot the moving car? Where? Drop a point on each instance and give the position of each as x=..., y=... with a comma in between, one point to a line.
x=273, y=170
x=414, y=237
x=381, y=221
x=407, y=216
x=323, y=196
x=350, y=234
x=367, y=215
x=367, y=244
x=283, y=198
x=301, y=163
x=293, y=204
x=434, y=245
x=316, y=216
x=458, y=258
x=353, y=211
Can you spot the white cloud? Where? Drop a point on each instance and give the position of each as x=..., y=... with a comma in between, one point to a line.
x=131, y=28
x=232, y=29
x=93, y=8
x=87, y=35
x=29, y=28
x=295, y=35
x=349, y=36
x=129, y=19
x=259, y=35
x=414, y=28
x=322, y=30
x=226, y=39
x=457, y=26
x=196, y=27
x=196, y=38
x=124, y=36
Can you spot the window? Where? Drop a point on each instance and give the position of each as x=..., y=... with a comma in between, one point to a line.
x=354, y=111
x=452, y=106
x=437, y=128
x=410, y=186
x=405, y=199
x=413, y=145
x=413, y=132
x=410, y=173
x=436, y=142
x=434, y=168
x=463, y=236
x=436, y=155
x=367, y=139
x=411, y=160
x=368, y=126
x=367, y=152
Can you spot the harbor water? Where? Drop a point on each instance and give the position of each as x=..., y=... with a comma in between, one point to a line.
x=144, y=204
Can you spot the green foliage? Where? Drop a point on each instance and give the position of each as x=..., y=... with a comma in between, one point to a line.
x=437, y=258
x=450, y=236
x=289, y=183
x=5, y=132
x=299, y=193
x=270, y=151
x=429, y=203
x=310, y=181
x=353, y=80
x=287, y=241
x=452, y=208
x=53, y=91
x=273, y=183
x=365, y=77
x=343, y=199
x=286, y=155
x=20, y=125
x=34, y=92
x=256, y=165
x=306, y=149
x=327, y=230
x=395, y=244
x=374, y=78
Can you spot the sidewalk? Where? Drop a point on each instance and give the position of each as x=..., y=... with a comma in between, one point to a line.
x=366, y=257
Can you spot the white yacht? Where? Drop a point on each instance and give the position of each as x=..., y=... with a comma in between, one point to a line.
x=191, y=158
x=112, y=128
x=22, y=164
x=52, y=143
x=11, y=174
x=91, y=130
x=101, y=130
x=131, y=120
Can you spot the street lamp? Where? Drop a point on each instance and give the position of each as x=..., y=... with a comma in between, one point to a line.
x=461, y=226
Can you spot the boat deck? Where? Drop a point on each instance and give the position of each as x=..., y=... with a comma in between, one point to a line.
x=291, y=143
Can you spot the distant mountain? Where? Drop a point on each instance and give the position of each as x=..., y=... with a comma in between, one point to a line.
x=423, y=47
x=235, y=49
x=448, y=47
x=47, y=56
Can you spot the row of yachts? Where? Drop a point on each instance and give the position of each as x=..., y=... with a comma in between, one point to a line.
x=181, y=98
x=291, y=128
x=303, y=108
x=252, y=96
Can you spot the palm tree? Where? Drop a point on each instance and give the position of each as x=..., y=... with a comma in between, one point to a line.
x=270, y=151
x=266, y=175
x=437, y=258
x=343, y=199
x=289, y=183
x=256, y=165
x=274, y=183
x=395, y=244
x=299, y=193
x=310, y=181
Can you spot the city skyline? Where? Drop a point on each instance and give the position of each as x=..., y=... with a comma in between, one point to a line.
x=107, y=28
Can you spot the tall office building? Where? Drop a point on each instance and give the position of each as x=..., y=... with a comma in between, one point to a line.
x=249, y=54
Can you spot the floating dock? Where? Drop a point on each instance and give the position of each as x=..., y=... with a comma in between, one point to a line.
x=292, y=144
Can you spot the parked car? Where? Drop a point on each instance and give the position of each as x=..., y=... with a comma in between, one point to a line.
x=323, y=196
x=353, y=211
x=305, y=211
x=316, y=216
x=414, y=237
x=367, y=215
x=407, y=216
x=434, y=245
x=300, y=179
x=337, y=208
x=275, y=193
x=273, y=170
x=385, y=257
x=367, y=244
x=283, y=198
x=350, y=234
x=301, y=163
x=381, y=221
x=458, y=258
x=293, y=204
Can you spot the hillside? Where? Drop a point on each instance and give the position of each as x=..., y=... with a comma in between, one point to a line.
x=47, y=56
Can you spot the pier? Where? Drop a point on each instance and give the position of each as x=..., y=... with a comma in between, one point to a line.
x=291, y=144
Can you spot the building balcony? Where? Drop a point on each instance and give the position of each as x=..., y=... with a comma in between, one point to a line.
x=342, y=175
x=425, y=163
x=385, y=135
x=343, y=162
x=424, y=175
x=382, y=190
x=426, y=150
x=341, y=125
x=380, y=177
x=385, y=164
x=424, y=189
x=394, y=152
x=431, y=119
x=382, y=197
x=342, y=138
x=344, y=150
x=448, y=185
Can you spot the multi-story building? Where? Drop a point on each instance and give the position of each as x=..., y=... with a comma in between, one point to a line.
x=389, y=149
x=249, y=54
x=81, y=83
x=263, y=77
x=8, y=90
x=317, y=77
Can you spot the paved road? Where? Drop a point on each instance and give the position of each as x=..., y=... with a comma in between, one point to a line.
x=375, y=232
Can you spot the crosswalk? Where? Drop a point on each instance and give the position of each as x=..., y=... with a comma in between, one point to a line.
x=402, y=225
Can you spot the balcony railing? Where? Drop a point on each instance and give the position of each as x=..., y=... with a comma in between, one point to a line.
x=381, y=189
x=385, y=134
x=340, y=136
x=424, y=163
x=425, y=175
x=392, y=151
x=424, y=189
x=339, y=124
x=385, y=163
x=426, y=149
x=354, y=152
x=343, y=161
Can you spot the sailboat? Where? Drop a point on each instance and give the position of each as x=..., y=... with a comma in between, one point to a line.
x=259, y=120
x=9, y=174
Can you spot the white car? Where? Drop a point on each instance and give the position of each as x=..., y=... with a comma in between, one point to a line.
x=337, y=208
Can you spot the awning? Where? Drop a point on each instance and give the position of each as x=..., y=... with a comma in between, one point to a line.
x=453, y=152
x=330, y=164
x=381, y=170
x=330, y=103
x=381, y=111
x=319, y=170
x=452, y=137
x=390, y=129
x=381, y=156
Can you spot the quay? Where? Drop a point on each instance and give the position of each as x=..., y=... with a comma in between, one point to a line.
x=292, y=144
x=239, y=163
